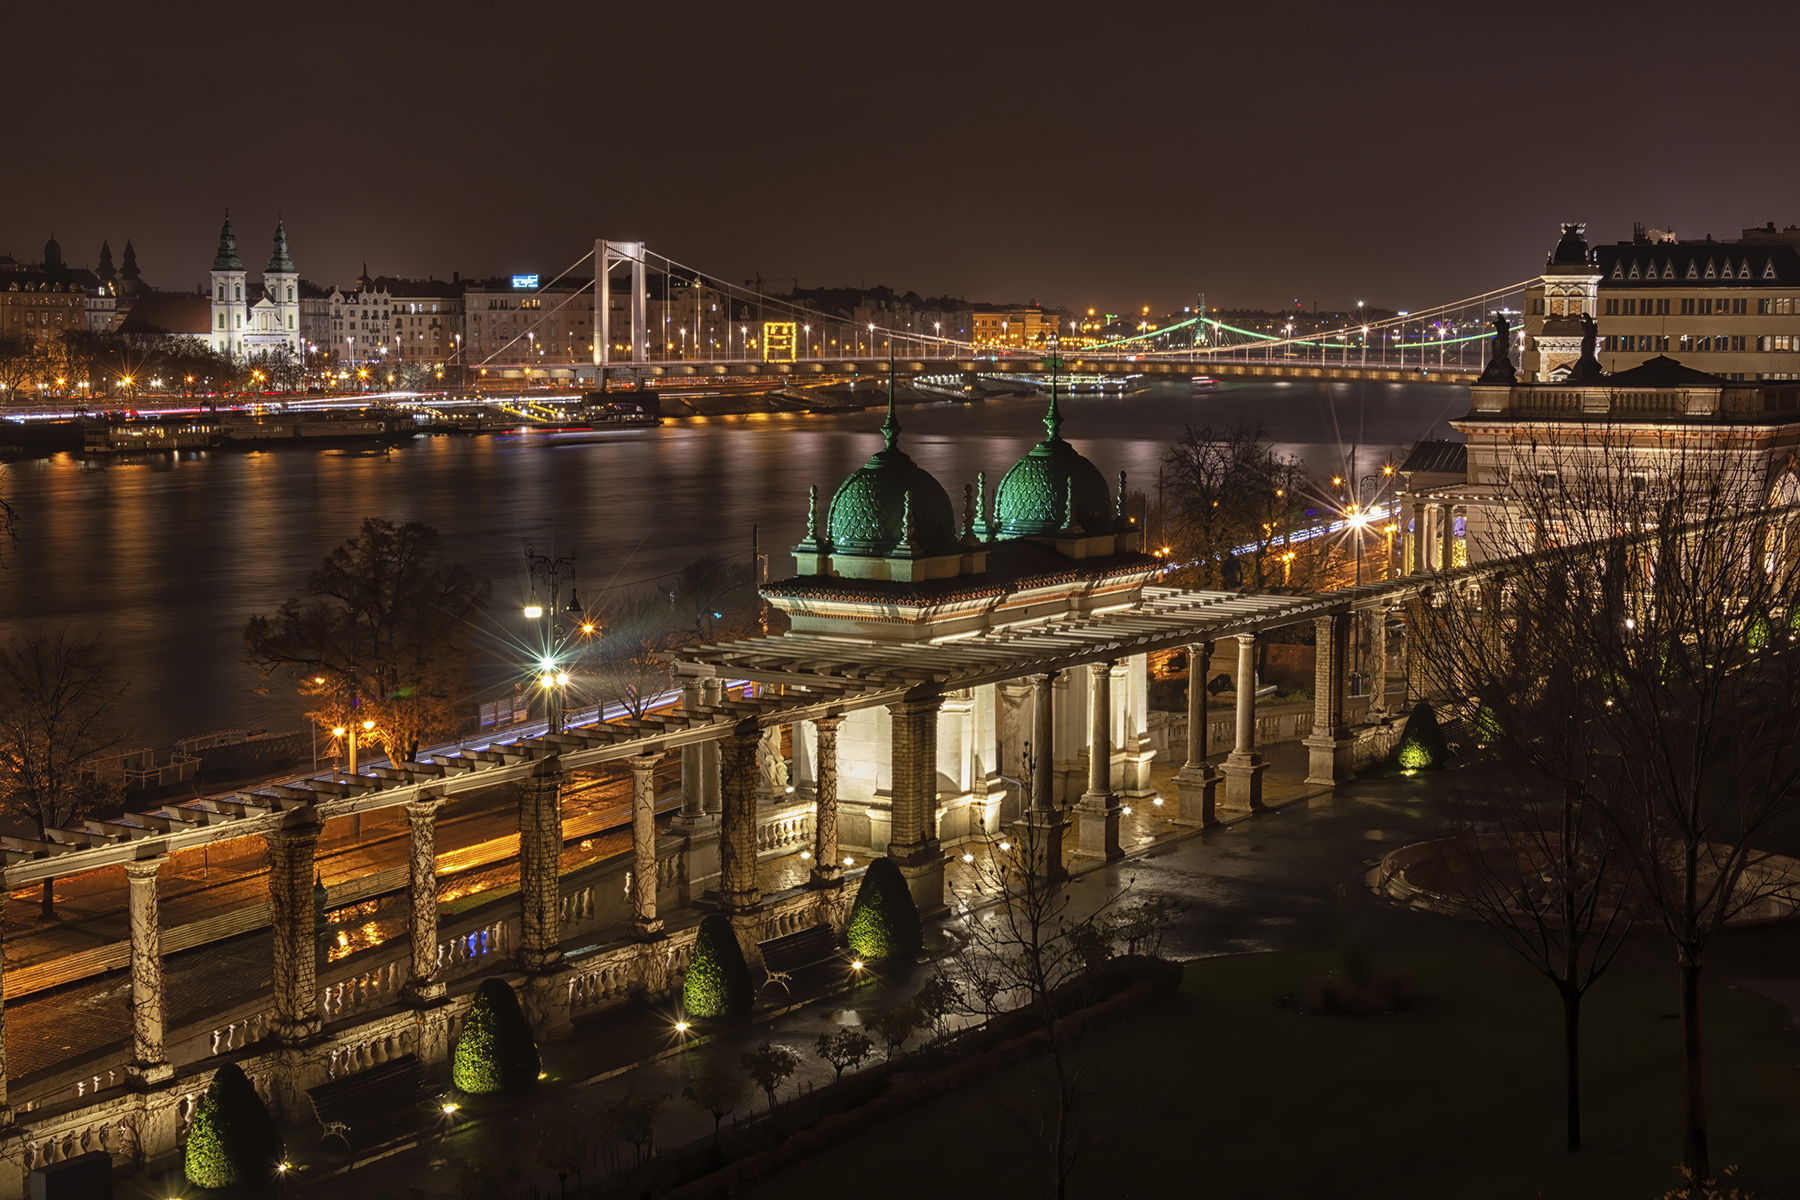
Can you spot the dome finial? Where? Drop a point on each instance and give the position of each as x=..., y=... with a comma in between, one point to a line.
x=1053, y=417
x=812, y=513
x=890, y=428
x=1119, y=509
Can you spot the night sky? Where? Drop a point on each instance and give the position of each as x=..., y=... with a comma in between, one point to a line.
x=1074, y=155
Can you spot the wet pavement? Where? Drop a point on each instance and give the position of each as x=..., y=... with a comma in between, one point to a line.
x=1288, y=878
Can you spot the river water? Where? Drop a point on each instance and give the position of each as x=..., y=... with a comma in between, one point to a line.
x=166, y=558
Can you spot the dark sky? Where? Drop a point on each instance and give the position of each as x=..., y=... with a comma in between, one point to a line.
x=1074, y=154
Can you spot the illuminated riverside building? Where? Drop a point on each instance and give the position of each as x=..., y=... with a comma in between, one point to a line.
x=1616, y=433
x=250, y=321
x=1014, y=328
x=41, y=301
x=1730, y=309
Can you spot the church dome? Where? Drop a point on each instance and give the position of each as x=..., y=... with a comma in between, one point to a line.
x=1036, y=493
x=871, y=509
x=1572, y=249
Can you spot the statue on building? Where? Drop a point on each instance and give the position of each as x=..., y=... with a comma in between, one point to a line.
x=1499, y=366
x=1587, y=368
x=771, y=766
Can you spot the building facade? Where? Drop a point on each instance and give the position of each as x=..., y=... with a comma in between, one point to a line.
x=41, y=301
x=246, y=322
x=1014, y=328
x=548, y=327
x=1730, y=308
x=1604, y=440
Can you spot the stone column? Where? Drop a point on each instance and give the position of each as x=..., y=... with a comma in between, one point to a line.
x=148, y=1063
x=828, y=861
x=1097, y=816
x=540, y=855
x=738, y=890
x=423, y=985
x=1378, y=651
x=6, y=1114
x=912, y=840
x=1197, y=781
x=693, y=792
x=294, y=931
x=1447, y=515
x=1043, y=820
x=711, y=798
x=698, y=820
x=1328, y=747
x=1412, y=652
x=1244, y=767
x=1418, y=546
x=643, y=846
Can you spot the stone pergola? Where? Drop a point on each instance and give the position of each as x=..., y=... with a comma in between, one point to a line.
x=808, y=683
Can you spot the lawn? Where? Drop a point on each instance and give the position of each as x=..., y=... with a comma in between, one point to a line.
x=1221, y=1092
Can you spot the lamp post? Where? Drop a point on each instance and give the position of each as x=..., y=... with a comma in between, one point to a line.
x=550, y=574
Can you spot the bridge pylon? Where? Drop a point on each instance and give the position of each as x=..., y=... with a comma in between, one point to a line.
x=607, y=256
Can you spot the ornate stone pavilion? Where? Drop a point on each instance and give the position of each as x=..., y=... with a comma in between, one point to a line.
x=926, y=655
x=894, y=573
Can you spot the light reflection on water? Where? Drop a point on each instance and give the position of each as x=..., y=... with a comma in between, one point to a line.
x=167, y=558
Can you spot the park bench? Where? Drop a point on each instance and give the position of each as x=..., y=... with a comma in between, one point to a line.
x=387, y=1098
x=801, y=952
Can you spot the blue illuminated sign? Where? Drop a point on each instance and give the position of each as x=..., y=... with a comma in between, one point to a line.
x=525, y=281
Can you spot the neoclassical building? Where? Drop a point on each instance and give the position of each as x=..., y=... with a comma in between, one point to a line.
x=892, y=565
x=1635, y=429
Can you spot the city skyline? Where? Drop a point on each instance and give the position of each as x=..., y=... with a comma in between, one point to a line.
x=1430, y=160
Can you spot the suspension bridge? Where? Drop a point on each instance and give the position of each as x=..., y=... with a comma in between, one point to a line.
x=647, y=315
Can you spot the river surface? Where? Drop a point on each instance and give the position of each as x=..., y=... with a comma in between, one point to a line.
x=166, y=558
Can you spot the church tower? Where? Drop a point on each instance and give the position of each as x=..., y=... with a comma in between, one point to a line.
x=281, y=283
x=229, y=310
x=1570, y=287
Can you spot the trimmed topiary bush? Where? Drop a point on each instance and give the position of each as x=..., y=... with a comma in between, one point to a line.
x=717, y=983
x=232, y=1141
x=495, y=1051
x=1422, y=742
x=884, y=923
x=1487, y=725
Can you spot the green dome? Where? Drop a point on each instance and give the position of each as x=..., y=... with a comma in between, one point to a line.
x=1035, y=495
x=869, y=510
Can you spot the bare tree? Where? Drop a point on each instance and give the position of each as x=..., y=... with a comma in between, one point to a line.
x=717, y=1091
x=55, y=720
x=1024, y=952
x=629, y=664
x=1639, y=640
x=384, y=632
x=1228, y=489
x=845, y=1048
x=769, y=1065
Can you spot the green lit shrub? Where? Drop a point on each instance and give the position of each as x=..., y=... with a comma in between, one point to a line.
x=1422, y=742
x=495, y=1051
x=884, y=922
x=232, y=1141
x=718, y=981
x=1487, y=725
x=1756, y=633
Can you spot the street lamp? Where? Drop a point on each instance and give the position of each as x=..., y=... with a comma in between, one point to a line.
x=550, y=574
